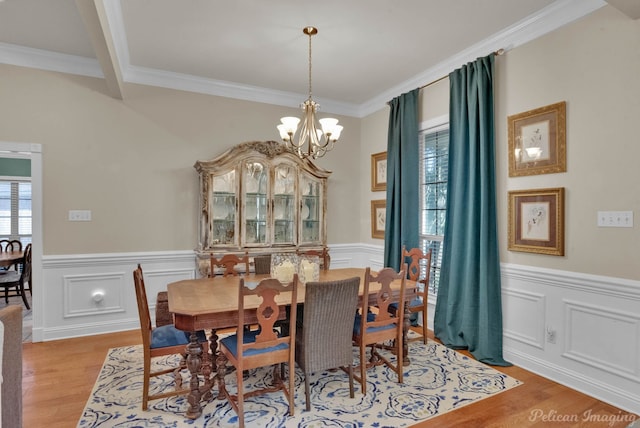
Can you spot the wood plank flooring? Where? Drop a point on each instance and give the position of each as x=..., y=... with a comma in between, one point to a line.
x=58, y=377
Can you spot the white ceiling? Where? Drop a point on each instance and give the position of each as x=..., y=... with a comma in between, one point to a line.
x=366, y=51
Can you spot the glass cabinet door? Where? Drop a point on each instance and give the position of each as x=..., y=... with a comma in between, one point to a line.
x=223, y=209
x=310, y=209
x=284, y=203
x=255, y=185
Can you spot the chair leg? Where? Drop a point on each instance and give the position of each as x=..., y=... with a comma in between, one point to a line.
x=145, y=382
x=399, y=360
x=350, y=370
x=24, y=295
x=363, y=368
x=240, y=402
x=424, y=327
x=306, y=391
x=292, y=386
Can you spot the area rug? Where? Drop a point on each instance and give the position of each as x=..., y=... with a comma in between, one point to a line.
x=437, y=381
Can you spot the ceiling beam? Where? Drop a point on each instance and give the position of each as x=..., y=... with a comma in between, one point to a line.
x=97, y=26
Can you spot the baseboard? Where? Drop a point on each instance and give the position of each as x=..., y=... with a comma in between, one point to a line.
x=574, y=380
x=81, y=330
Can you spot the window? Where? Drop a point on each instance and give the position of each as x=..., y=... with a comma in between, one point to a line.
x=15, y=211
x=434, y=168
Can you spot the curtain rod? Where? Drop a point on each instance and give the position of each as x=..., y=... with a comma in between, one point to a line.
x=499, y=52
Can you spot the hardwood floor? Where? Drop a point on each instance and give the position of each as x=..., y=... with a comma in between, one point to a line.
x=58, y=377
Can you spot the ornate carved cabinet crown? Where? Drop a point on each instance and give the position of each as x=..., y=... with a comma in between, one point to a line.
x=261, y=198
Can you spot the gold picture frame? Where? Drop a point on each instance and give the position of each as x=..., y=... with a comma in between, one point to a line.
x=537, y=141
x=379, y=171
x=536, y=221
x=378, y=218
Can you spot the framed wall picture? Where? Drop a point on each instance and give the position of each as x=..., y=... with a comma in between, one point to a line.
x=379, y=171
x=536, y=221
x=537, y=141
x=378, y=218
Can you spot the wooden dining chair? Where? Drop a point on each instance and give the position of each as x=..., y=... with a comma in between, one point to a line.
x=262, y=265
x=228, y=262
x=324, y=341
x=417, y=261
x=372, y=329
x=13, y=281
x=9, y=245
x=250, y=349
x=322, y=254
x=160, y=341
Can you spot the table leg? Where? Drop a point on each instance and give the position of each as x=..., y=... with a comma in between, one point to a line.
x=405, y=329
x=221, y=371
x=213, y=345
x=194, y=363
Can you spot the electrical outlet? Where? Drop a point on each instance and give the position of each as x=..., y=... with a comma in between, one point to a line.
x=551, y=335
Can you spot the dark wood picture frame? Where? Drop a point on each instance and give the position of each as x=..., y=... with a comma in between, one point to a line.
x=378, y=218
x=536, y=221
x=379, y=171
x=537, y=141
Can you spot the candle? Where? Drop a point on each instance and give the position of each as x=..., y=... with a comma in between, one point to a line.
x=285, y=271
x=308, y=271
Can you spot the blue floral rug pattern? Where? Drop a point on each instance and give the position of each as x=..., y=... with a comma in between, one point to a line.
x=437, y=381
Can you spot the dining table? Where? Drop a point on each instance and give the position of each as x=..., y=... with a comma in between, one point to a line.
x=8, y=258
x=212, y=304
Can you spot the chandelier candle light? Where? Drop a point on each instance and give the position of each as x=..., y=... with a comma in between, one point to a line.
x=318, y=141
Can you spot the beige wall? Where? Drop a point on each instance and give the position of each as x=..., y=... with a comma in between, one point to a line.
x=131, y=162
x=593, y=65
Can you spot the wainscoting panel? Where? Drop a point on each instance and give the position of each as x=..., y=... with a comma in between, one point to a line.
x=615, y=353
x=524, y=316
x=579, y=330
x=590, y=327
x=93, y=294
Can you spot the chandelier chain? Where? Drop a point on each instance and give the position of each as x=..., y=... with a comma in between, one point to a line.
x=310, y=93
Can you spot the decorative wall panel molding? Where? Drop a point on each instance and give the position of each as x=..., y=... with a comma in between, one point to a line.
x=586, y=322
x=591, y=330
x=93, y=294
x=524, y=316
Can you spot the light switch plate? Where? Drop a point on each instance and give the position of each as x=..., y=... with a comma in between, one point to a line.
x=79, y=215
x=615, y=218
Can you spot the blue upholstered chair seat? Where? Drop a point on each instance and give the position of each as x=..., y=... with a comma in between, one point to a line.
x=413, y=317
x=231, y=342
x=415, y=302
x=168, y=335
x=370, y=317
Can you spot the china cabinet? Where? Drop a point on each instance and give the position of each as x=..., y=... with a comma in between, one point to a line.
x=260, y=198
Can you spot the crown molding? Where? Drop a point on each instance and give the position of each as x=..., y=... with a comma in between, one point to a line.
x=47, y=60
x=546, y=20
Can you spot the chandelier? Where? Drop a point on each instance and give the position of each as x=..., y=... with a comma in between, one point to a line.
x=311, y=142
